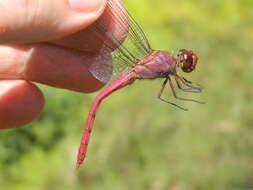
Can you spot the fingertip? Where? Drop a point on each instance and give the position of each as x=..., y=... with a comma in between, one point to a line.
x=89, y=39
x=85, y=12
x=87, y=5
x=20, y=103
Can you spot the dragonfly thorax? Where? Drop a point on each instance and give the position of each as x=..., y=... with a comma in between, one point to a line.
x=158, y=64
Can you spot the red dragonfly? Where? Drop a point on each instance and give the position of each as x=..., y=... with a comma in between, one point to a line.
x=135, y=59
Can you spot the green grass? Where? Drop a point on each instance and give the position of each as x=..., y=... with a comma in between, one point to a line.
x=138, y=142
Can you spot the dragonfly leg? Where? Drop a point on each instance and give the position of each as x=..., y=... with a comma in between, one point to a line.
x=189, y=83
x=171, y=103
x=184, y=99
x=190, y=89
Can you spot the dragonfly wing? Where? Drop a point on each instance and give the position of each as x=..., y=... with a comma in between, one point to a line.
x=127, y=49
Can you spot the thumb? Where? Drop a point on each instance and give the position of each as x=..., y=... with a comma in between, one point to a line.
x=45, y=20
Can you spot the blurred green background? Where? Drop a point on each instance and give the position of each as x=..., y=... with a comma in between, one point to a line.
x=139, y=142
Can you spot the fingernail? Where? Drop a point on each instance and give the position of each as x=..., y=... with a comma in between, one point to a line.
x=86, y=5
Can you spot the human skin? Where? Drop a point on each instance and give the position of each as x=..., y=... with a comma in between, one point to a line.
x=49, y=42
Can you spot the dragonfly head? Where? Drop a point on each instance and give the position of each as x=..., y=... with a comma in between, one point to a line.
x=187, y=60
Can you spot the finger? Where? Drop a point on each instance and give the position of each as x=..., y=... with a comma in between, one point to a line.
x=114, y=19
x=44, y=20
x=54, y=66
x=20, y=103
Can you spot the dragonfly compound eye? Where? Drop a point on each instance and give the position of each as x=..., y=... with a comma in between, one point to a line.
x=188, y=60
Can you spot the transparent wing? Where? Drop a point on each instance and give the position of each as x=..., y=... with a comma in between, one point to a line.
x=127, y=49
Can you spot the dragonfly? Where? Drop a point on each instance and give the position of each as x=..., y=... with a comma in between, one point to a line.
x=132, y=59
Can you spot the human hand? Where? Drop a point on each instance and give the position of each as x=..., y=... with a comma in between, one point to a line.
x=45, y=41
